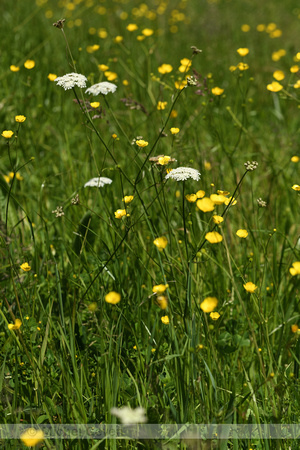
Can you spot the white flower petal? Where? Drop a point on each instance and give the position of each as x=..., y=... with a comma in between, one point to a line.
x=183, y=173
x=101, y=88
x=128, y=416
x=98, y=182
x=70, y=80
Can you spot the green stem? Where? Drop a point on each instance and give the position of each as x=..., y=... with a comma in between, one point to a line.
x=223, y=213
x=137, y=180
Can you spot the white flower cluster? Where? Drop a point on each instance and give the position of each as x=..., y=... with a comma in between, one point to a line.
x=98, y=182
x=129, y=416
x=184, y=173
x=101, y=88
x=70, y=80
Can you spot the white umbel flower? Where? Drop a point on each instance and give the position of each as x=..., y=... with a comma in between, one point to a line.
x=184, y=173
x=70, y=80
x=129, y=416
x=101, y=88
x=98, y=182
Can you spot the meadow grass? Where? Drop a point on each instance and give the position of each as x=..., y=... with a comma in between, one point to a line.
x=140, y=292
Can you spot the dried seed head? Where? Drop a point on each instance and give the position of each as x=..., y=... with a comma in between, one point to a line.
x=59, y=24
x=195, y=50
x=75, y=200
x=261, y=202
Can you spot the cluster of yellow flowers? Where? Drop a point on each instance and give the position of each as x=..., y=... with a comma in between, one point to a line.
x=122, y=212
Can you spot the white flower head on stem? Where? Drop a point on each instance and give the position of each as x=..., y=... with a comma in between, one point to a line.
x=71, y=80
x=129, y=416
x=184, y=173
x=98, y=182
x=101, y=88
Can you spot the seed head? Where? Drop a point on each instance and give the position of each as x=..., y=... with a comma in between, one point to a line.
x=251, y=165
x=59, y=24
x=261, y=202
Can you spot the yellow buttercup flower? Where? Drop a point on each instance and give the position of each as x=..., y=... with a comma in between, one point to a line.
x=245, y=28
x=213, y=237
x=162, y=301
x=185, y=65
x=242, y=66
x=165, y=68
x=296, y=187
x=120, y=213
x=205, y=204
x=180, y=84
x=276, y=56
x=276, y=33
x=294, y=328
x=118, y=39
x=147, y=32
x=165, y=320
x=14, y=68
x=52, y=76
x=295, y=159
x=92, y=48
x=163, y=160
x=113, y=297
x=223, y=192
x=29, y=64
x=95, y=104
x=25, y=266
x=161, y=105
x=174, y=130
x=15, y=326
x=161, y=242
x=209, y=304
x=250, y=287
x=242, y=233
x=160, y=288
x=111, y=76
x=230, y=200
x=243, y=51
x=141, y=143
x=31, y=437
x=132, y=27
x=295, y=269
x=261, y=27
x=7, y=134
x=294, y=69
x=271, y=27
x=274, y=86
x=278, y=75
x=218, y=199
x=103, y=67
x=128, y=198
x=200, y=194
x=102, y=33
x=214, y=315
x=217, y=219
x=192, y=198
x=217, y=91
